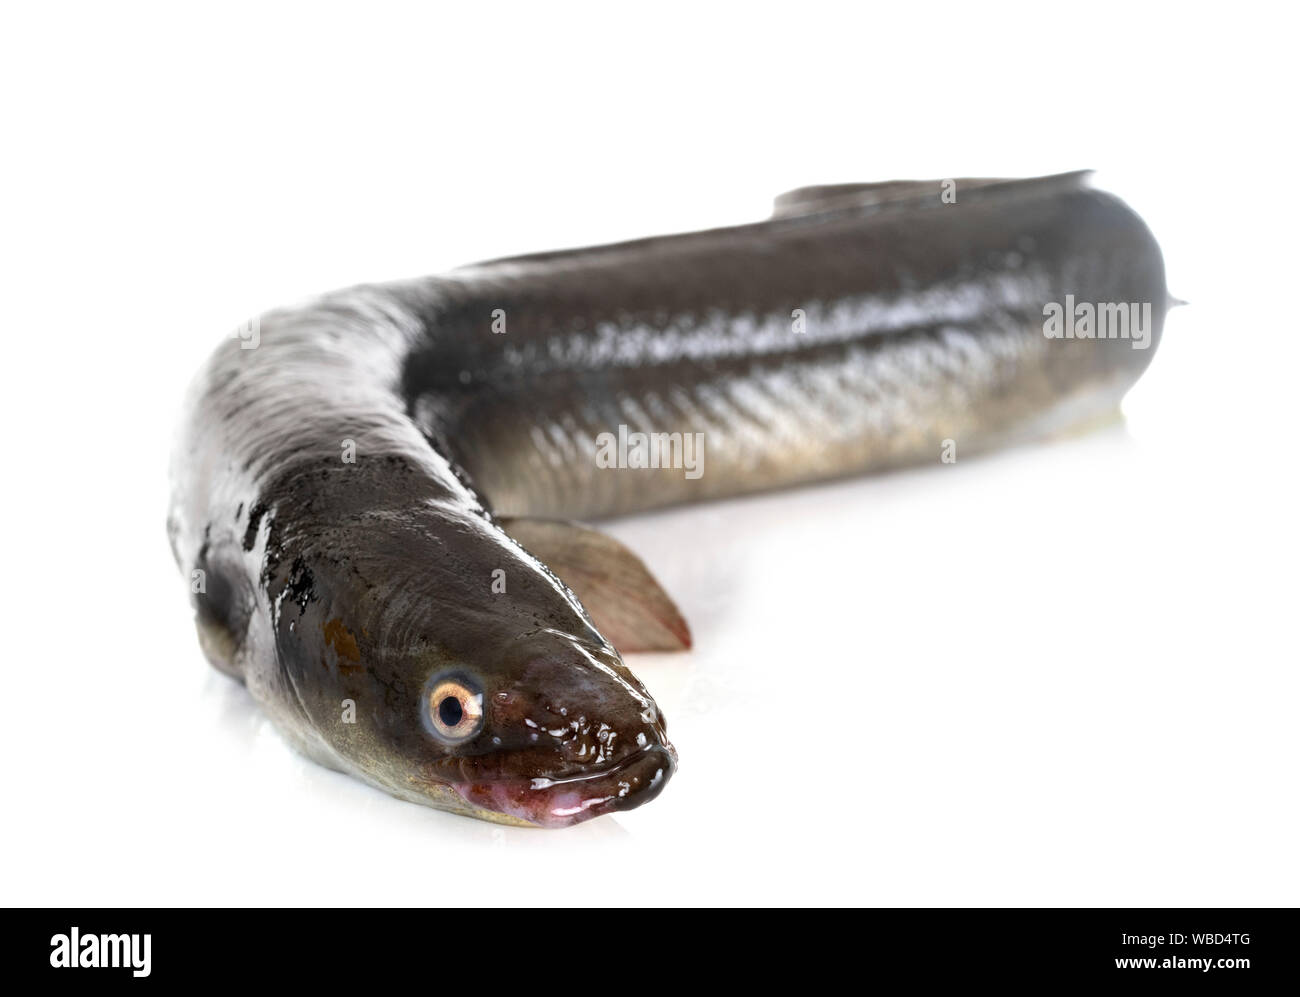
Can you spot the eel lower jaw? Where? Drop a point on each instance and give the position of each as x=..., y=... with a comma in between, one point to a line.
x=636, y=780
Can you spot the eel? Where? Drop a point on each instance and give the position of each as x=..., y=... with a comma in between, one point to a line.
x=378, y=496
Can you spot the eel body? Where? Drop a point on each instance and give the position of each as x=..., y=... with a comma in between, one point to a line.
x=375, y=494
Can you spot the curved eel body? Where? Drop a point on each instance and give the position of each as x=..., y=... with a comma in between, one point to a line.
x=373, y=492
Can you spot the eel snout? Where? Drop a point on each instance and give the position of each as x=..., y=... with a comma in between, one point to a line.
x=565, y=743
x=560, y=802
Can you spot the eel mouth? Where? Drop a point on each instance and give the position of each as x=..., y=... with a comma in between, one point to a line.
x=570, y=800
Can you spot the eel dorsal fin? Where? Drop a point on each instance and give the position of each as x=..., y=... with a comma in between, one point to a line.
x=839, y=196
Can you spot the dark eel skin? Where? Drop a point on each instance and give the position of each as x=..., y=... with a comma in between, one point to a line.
x=360, y=600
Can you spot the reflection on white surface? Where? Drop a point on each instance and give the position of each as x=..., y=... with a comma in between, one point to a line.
x=241, y=727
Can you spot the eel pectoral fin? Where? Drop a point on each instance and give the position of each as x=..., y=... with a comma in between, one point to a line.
x=623, y=599
x=222, y=610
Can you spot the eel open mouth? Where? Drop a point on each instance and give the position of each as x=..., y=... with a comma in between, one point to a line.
x=562, y=802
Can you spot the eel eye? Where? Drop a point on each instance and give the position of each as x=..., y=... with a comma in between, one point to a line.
x=455, y=711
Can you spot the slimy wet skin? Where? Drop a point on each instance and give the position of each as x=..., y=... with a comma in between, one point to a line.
x=375, y=494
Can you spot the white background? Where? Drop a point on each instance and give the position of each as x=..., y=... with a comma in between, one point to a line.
x=1064, y=675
